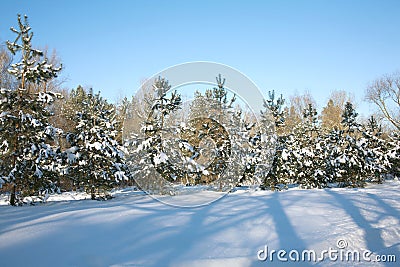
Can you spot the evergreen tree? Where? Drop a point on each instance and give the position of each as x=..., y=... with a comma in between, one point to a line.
x=394, y=153
x=201, y=148
x=213, y=103
x=275, y=107
x=257, y=141
x=309, y=151
x=375, y=150
x=301, y=155
x=28, y=156
x=280, y=170
x=349, y=118
x=155, y=147
x=95, y=158
x=347, y=159
x=220, y=93
x=29, y=69
x=334, y=152
x=210, y=115
x=310, y=122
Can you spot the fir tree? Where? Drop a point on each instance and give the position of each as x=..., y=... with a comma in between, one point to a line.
x=375, y=150
x=209, y=116
x=29, y=158
x=348, y=156
x=349, y=118
x=275, y=107
x=279, y=171
x=95, y=158
x=282, y=170
x=309, y=151
x=214, y=103
x=394, y=153
x=162, y=106
x=334, y=156
x=29, y=69
x=310, y=123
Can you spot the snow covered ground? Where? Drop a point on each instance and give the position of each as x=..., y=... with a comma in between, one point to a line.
x=134, y=229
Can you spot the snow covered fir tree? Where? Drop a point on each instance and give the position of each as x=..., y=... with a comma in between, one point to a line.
x=29, y=155
x=95, y=160
x=38, y=157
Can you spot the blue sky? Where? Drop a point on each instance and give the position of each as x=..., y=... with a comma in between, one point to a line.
x=289, y=46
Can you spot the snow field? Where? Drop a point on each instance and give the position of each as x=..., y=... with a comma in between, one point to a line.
x=134, y=229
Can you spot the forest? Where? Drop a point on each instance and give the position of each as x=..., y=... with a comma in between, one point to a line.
x=55, y=139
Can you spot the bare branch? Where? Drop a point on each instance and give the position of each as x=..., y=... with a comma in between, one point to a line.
x=384, y=92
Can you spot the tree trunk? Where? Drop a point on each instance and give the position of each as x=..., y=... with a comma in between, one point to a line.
x=93, y=195
x=12, y=198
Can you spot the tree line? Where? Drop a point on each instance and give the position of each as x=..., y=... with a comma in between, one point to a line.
x=332, y=149
x=52, y=139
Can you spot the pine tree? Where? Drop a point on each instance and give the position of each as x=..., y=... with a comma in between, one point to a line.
x=200, y=149
x=275, y=108
x=394, y=153
x=375, y=149
x=301, y=155
x=95, y=158
x=29, y=69
x=214, y=103
x=347, y=157
x=309, y=151
x=256, y=140
x=335, y=143
x=310, y=121
x=280, y=170
x=151, y=148
x=210, y=116
x=349, y=118
x=28, y=158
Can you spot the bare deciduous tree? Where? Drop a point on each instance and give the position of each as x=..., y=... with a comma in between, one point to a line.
x=294, y=112
x=331, y=114
x=301, y=102
x=6, y=79
x=385, y=93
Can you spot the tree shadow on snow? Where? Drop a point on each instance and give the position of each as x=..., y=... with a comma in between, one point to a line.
x=140, y=231
x=372, y=235
x=288, y=237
